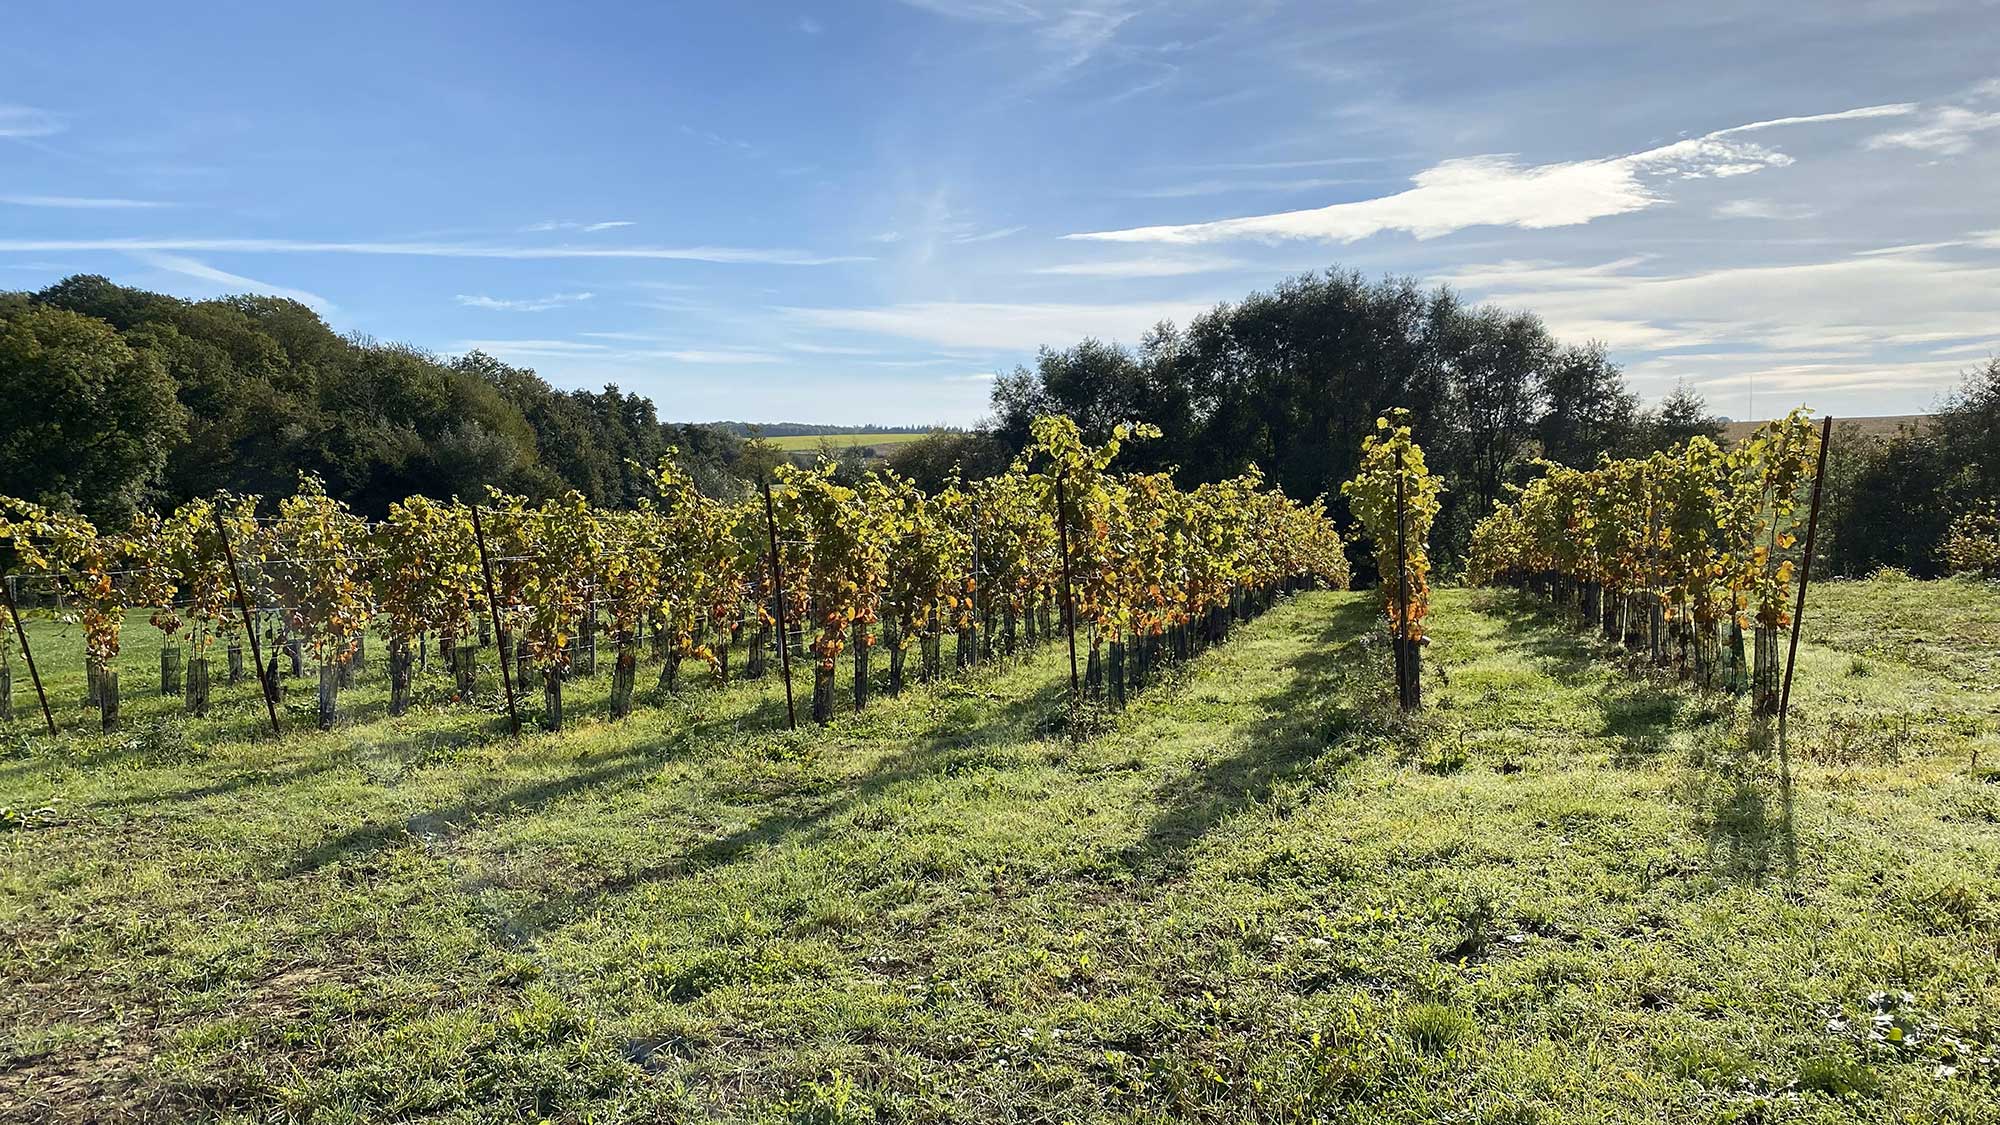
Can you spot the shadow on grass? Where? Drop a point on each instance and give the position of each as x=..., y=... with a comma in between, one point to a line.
x=610, y=770
x=1014, y=719
x=942, y=751
x=1335, y=694
x=1639, y=716
x=1741, y=797
x=1543, y=634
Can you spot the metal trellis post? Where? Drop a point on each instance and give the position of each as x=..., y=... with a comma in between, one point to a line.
x=493, y=610
x=27, y=653
x=1402, y=647
x=264, y=686
x=1069, y=598
x=778, y=595
x=1805, y=574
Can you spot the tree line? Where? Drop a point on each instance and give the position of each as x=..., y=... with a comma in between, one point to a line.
x=1293, y=379
x=118, y=399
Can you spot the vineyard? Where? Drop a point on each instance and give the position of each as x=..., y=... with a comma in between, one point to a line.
x=1120, y=805
x=1130, y=567
x=1677, y=553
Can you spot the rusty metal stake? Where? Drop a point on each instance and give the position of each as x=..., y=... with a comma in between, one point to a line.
x=499, y=635
x=264, y=686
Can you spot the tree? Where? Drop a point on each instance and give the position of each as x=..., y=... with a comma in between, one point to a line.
x=934, y=460
x=1681, y=417
x=1589, y=410
x=1967, y=425
x=86, y=422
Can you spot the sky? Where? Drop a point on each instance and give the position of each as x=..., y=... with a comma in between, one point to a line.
x=860, y=211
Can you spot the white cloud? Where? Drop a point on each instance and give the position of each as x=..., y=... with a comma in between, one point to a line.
x=587, y=228
x=1196, y=188
x=1001, y=326
x=991, y=235
x=27, y=121
x=580, y=349
x=1948, y=131
x=1499, y=190
x=79, y=202
x=1160, y=266
x=710, y=356
x=533, y=348
x=831, y=349
x=174, y=263
x=809, y=26
x=526, y=304
x=1073, y=31
x=722, y=254
x=718, y=140
x=1857, y=318
x=1484, y=191
x=1894, y=109
x=1763, y=209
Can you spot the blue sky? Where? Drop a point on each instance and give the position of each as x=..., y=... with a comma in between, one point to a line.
x=859, y=211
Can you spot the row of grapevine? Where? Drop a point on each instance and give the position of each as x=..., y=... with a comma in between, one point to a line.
x=1151, y=570
x=1677, y=553
x=1394, y=495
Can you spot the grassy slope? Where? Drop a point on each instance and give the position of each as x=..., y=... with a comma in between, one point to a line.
x=1569, y=892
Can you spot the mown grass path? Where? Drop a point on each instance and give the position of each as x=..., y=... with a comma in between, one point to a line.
x=1572, y=890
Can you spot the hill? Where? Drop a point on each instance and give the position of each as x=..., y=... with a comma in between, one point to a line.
x=246, y=393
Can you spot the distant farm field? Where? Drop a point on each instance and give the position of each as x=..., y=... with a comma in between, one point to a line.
x=1879, y=425
x=807, y=443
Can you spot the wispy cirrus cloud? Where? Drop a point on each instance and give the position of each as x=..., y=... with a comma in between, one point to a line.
x=525, y=304
x=1000, y=326
x=1849, y=323
x=237, y=283
x=80, y=202
x=27, y=121
x=534, y=348
x=1947, y=131
x=586, y=228
x=1861, y=113
x=1763, y=209
x=719, y=254
x=1071, y=32
x=1159, y=266
x=726, y=357
x=1194, y=188
x=530, y=349
x=1501, y=191
x=989, y=235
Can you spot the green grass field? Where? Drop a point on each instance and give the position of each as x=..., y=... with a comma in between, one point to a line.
x=811, y=443
x=1572, y=890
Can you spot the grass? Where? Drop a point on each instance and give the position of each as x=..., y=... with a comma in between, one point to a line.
x=812, y=443
x=1570, y=890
